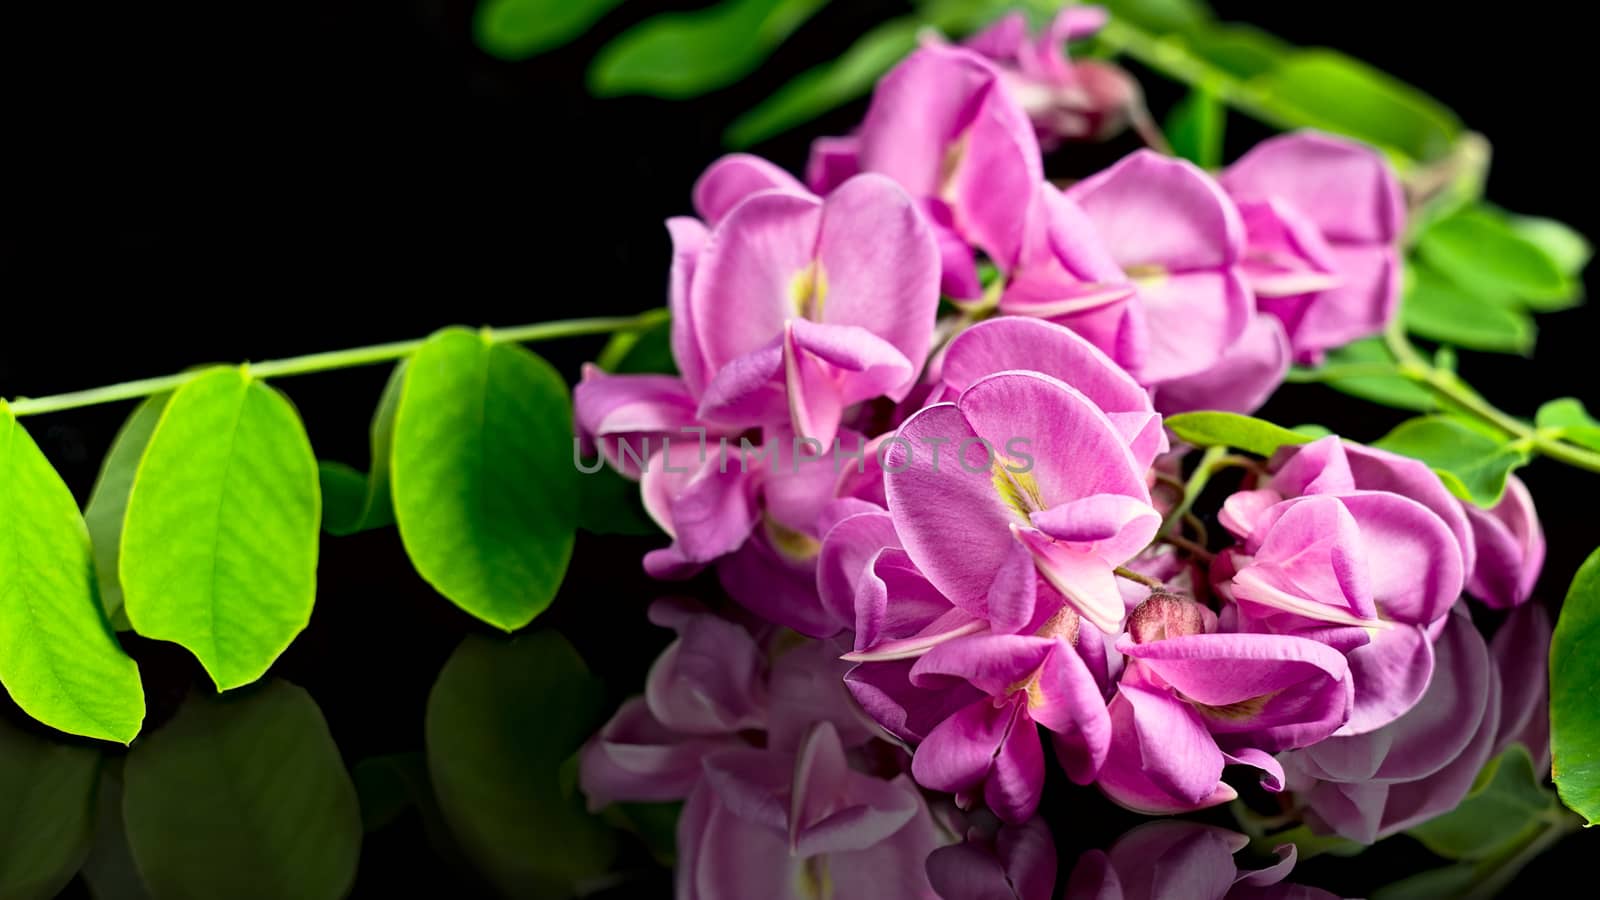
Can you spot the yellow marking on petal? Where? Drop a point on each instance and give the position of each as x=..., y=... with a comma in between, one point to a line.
x=815, y=881
x=1018, y=490
x=1147, y=275
x=1247, y=708
x=809, y=290
x=796, y=545
x=954, y=154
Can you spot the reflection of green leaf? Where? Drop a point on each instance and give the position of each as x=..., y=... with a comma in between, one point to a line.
x=1506, y=809
x=832, y=84
x=1435, y=308
x=1566, y=419
x=219, y=548
x=684, y=54
x=46, y=812
x=1481, y=252
x=1449, y=881
x=58, y=657
x=244, y=797
x=1385, y=390
x=1328, y=90
x=346, y=510
x=1210, y=429
x=110, y=870
x=503, y=719
x=388, y=786
x=1194, y=128
x=1574, y=714
x=108, y=503
x=518, y=29
x=1471, y=463
x=482, y=478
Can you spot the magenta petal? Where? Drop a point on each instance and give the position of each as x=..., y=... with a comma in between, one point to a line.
x=909, y=713
x=1127, y=774
x=1390, y=674
x=806, y=686
x=845, y=564
x=730, y=180
x=1380, y=470
x=708, y=512
x=1246, y=375
x=689, y=238
x=636, y=759
x=993, y=663
x=1345, y=188
x=859, y=362
x=1111, y=526
x=1309, y=565
x=834, y=809
x=776, y=586
x=629, y=416
x=711, y=680
x=1013, y=789
x=1175, y=750
x=1176, y=859
x=1067, y=701
x=1193, y=318
x=1413, y=561
x=1084, y=579
x=1021, y=865
x=744, y=283
x=959, y=753
x=1157, y=210
x=1521, y=649
x=1510, y=548
x=833, y=160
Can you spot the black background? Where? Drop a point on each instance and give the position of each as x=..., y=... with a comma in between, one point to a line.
x=193, y=183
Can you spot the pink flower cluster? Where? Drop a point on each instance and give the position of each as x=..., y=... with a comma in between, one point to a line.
x=930, y=521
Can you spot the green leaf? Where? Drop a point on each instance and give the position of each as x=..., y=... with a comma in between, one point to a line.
x=1161, y=16
x=1210, y=429
x=684, y=54
x=518, y=29
x=1384, y=390
x=483, y=478
x=1194, y=128
x=219, y=549
x=350, y=507
x=1242, y=51
x=1328, y=90
x=1574, y=677
x=830, y=85
x=110, y=871
x=58, y=657
x=611, y=505
x=1471, y=463
x=47, y=792
x=1448, y=881
x=640, y=352
x=1568, y=249
x=1567, y=419
x=503, y=719
x=1435, y=308
x=1481, y=252
x=1507, y=809
x=388, y=786
x=108, y=502
x=243, y=796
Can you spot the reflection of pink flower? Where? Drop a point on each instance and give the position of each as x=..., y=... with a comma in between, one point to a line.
x=1174, y=858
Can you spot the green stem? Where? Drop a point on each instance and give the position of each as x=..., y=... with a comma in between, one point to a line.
x=335, y=359
x=1153, y=584
x=1214, y=458
x=1411, y=365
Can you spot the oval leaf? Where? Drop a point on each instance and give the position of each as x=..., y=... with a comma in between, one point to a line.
x=1194, y=128
x=219, y=550
x=1385, y=390
x=1512, y=804
x=47, y=792
x=504, y=718
x=1210, y=429
x=1471, y=464
x=58, y=657
x=1481, y=252
x=243, y=797
x=108, y=503
x=684, y=54
x=1574, y=714
x=518, y=29
x=1434, y=307
x=352, y=502
x=483, y=482
x=1567, y=419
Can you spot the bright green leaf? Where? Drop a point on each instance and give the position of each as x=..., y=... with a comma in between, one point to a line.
x=1435, y=308
x=503, y=719
x=1574, y=703
x=1328, y=90
x=483, y=479
x=219, y=549
x=1471, y=463
x=832, y=84
x=1568, y=249
x=108, y=503
x=1210, y=429
x=1385, y=390
x=347, y=510
x=47, y=792
x=1505, y=810
x=1161, y=16
x=58, y=657
x=1242, y=51
x=1569, y=421
x=684, y=54
x=518, y=29
x=1481, y=252
x=1194, y=128
x=646, y=352
x=243, y=796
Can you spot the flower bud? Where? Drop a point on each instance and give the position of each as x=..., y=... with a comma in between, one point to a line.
x=1165, y=615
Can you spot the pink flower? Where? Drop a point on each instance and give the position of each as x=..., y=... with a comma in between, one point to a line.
x=1509, y=545
x=1323, y=217
x=1015, y=862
